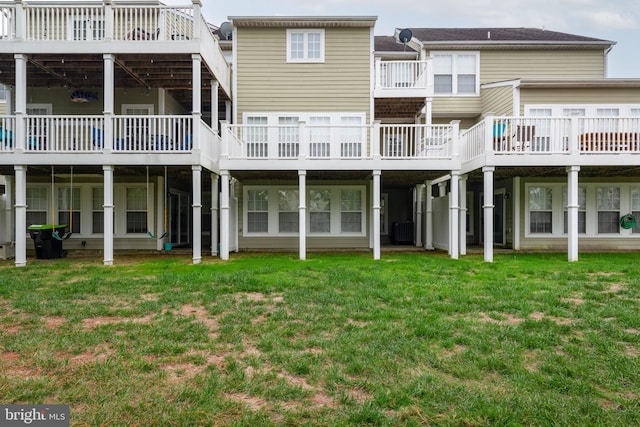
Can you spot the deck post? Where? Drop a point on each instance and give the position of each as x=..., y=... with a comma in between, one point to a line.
x=215, y=86
x=302, y=212
x=454, y=231
x=488, y=212
x=419, y=203
x=428, y=227
x=196, y=85
x=21, y=102
x=463, y=215
x=224, y=216
x=21, y=215
x=376, y=214
x=108, y=214
x=215, y=195
x=196, y=172
x=109, y=82
x=573, y=204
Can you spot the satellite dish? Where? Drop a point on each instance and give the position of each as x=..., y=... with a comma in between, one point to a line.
x=405, y=35
x=226, y=29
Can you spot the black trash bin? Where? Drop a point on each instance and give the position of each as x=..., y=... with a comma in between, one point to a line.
x=47, y=246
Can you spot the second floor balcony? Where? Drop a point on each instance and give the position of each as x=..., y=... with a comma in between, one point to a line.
x=401, y=79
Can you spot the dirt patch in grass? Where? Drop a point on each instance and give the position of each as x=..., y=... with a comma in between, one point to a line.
x=203, y=316
x=574, y=300
x=538, y=316
x=614, y=288
x=506, y=319
x=94, y=322
x=11, y=366
x=54, y=322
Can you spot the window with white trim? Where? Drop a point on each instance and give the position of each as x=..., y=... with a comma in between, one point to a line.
x=319, y=211
x=86, y=28
x=257, y=211
x=288, y=216
x=288, y=136
x=305, y=45
x=319, y=136
x=256, y=136
x=540, y=210
x=68, y=204
x=582, y=210
x=97, y=210
x=350, y=211
x=585, y=110
x=635, y=206
x=456, y=73
x=608, y=206
x=37, y=200
x=136, y=210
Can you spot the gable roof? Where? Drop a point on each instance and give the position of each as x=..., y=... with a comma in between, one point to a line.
x=504, y=36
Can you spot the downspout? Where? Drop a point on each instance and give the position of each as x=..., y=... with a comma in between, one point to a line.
x=606, y=59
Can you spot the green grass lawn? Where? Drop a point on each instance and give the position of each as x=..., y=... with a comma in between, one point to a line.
x=340, y=339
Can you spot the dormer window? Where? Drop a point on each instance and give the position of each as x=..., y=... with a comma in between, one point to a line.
x=305, y=45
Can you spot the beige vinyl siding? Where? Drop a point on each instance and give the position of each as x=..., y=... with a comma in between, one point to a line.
x=267, y=83
x=500, y=65
x=579, y=96
x=3, y=108
x=498, y=100
x=457, y=106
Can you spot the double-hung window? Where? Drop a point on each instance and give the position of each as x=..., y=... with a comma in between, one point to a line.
x=305, y=45
x=320, y=211
x=541, y=210
x=89, y=26
x=257, y=211
x=136, y=210
x=582, y=210
x=36, y=205
x=456, y=73
x=351, y=211
x=288, y=216
x=97, y=200
x=68, y=203
x=608, y=209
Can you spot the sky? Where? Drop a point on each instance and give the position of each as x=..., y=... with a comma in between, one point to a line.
x=614, y=20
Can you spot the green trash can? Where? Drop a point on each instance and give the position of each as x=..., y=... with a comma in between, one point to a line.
x=47, y=246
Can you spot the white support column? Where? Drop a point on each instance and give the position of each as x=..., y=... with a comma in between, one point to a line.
x=8, y=227
x=215, y=85
x=21, y=215
x=419, y=203
x=196, y=172
x=109, y=101
x=516, y=213
x=302, y=211
x=488, y=212
x=428, y=228
x=21, y=102
x=376, y=214
x=196, y=89
x=159, y=207
x=108, y=214
x=463, y=215
x=215, y=198
x=224, y=216
x=573, y=205
x=454, y=215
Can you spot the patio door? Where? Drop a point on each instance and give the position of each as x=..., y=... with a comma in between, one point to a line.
x=499, y=208
x=179, y=217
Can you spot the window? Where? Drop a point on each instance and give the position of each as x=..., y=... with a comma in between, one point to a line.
x=352, y=136
x=582, y=210
x=97, y=223
x=320, y=211
x=87, y=28
x=351, y=211
x=3, y=92
x=256, y=137
x=635, y=206
x=68, y=204
x=608, y=203
x=305, y=45
x=540, y=210
x=319, y=137
x=37, y=206
x=257, y=211
x=136, y=210
x=288, y=137
x=288, y=215
x=456, y=73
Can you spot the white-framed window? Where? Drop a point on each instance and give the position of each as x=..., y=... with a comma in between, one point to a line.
x=37, y=202
x=288, y=216
x=288, y=136
x=351, y=211
x=582, y=209
x=608, y=205
x=257, y=211
x=69, y=208
x=319, y=211
x=540, y=210
x=319, y=136
x=332, y=210
x=87, y=27
x=256, y=136
x=584, y=110
x=456, y=73
x=3, y=93
x=305, y=45
x=635, y=206
x=97, y=210
x=136, y=210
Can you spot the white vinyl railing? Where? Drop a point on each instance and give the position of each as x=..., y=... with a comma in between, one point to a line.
x=401, y=74
x=153, y=133
x=294, y=141
x=138, y=22
x=416, y=141
x=7, y=133
x=530, y=134
x=609, y=135
x=68, y=21
x=73, y=134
